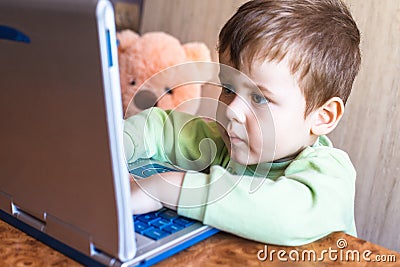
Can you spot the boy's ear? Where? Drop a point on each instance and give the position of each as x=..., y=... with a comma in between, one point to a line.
x=327, y=116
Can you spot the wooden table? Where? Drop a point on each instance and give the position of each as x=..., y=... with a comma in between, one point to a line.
x=20, y=250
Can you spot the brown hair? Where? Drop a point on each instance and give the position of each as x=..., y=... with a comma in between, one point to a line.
x=319, y=37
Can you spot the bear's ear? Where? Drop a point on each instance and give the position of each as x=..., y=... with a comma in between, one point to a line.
x=127, y=39
x=197, y=52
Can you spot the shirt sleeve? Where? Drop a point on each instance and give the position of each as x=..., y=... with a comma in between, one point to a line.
x=175, y=137
x=313, y=198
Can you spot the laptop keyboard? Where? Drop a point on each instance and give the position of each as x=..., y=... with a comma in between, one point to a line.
x=160, y=224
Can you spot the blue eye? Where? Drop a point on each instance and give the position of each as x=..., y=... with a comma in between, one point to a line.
x=259, y=99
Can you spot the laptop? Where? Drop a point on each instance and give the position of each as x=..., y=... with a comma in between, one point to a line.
x=63, y=173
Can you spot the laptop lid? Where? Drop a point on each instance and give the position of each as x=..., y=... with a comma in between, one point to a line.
x=62, y=164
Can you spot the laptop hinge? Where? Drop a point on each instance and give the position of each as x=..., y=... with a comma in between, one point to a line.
x=103, y=258
x=69, y=234
x=77, y=239
x=28, y=219
x=56, y=228
x=6, y=204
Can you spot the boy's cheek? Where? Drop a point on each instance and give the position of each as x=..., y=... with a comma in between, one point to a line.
x=224, y=135
x=220, y=115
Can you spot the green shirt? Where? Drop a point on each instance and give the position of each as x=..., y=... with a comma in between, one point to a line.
x=286, y=203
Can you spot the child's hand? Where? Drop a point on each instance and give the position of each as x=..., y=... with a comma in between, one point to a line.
x=156, y=191
x=142, y=202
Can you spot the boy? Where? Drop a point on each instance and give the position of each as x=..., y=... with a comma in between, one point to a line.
x=274, y=176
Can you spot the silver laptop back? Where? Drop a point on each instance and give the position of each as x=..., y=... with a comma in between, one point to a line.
x=61, y=116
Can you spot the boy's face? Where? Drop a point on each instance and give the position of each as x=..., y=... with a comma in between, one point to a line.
x=262, y=118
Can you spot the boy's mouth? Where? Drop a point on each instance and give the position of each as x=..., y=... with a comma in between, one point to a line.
x=234, y=138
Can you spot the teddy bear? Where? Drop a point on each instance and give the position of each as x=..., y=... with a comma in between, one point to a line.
x=147, y=74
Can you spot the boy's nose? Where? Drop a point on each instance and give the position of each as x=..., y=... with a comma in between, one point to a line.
x=237, y=110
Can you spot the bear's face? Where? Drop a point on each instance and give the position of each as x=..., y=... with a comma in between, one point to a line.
x=146, y=76
x=166, y=89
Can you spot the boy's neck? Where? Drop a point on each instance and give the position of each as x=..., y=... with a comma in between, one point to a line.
x=288, y=158
x=314, y=141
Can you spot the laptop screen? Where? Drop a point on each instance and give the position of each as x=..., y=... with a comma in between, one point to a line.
x=60, y=108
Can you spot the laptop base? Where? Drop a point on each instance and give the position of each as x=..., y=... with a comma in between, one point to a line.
x=88, y=261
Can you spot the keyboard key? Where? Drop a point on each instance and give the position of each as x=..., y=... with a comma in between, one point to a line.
x=169, y=215
x=140, y=227
x=158, y=212
x=183, y=221
x=155, y=233
x=160, y=223
x=172, y=228
x=147, y=218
